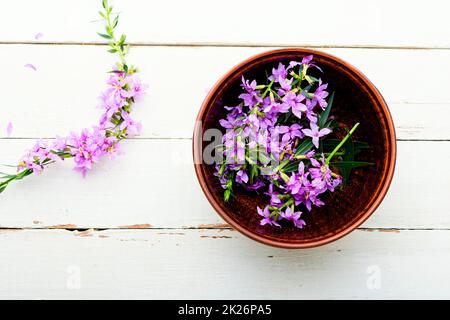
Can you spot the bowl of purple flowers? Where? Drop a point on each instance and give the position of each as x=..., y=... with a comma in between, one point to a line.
x=294, y=148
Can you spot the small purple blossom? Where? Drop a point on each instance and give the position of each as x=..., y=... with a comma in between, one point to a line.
x=315, y=133
x=320, y=94
x=279, y=74
x=130, y=126
x=267, y=219
x=241, y=177
x=290, y=215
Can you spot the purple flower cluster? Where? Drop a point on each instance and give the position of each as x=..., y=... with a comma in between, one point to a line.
x=116, y=123
x=264, y=144
x=88, y=147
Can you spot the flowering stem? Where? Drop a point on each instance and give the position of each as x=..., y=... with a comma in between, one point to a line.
x=331, y=155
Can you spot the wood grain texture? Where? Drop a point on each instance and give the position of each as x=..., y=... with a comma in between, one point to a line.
x=158, y=187
x=333, y=23
x=62, y=94
x=149, y=251
x=209, y=264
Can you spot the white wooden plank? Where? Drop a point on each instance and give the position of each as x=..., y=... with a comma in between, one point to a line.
x=62, y=94
x=328, y=22
x=154, y=185
x=214, y=264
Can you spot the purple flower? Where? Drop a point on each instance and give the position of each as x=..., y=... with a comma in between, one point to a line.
x=250, y=87
x=298, y=180
x=258, y=184
x=279, y=74
x=310, y=114
x=9, y=129
x=320, y=95
x=59, y=144
x=307, y=59
x=295, y=103
x=315, y=133
x=241, y=177
x=323, y=176
x=290, y=133
x=274, y=199
x=267, y=219
x=131, y=127
x=38, y=156
x=308, y=197
x=290, y=215
x=89, y=147
x=286, y=85
x=135, y=87
x=250, y=99
x=234, y=148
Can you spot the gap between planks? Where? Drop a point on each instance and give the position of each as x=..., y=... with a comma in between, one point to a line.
x=223, y=226
x=227, y=45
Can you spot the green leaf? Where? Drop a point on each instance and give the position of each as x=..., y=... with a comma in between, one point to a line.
x=253, y=172
x=8, y=165
x=311, y=79
x=350, y=164
x=105, y=4
x=349, y=155
x=106, y=36
x=102, y=14
x=115, y=21
x=306, y=94
x=330, y=144
x=331, y=124
x=291, y=167
x=325, y=113
x=122, y=39
x=24, y=174
x=227, y=195
x=112, y=50
x=304, y=147
x=6, y=175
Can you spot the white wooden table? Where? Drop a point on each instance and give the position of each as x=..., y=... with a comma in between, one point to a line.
x=63, y=236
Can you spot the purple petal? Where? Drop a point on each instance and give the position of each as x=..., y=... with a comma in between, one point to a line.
x=324, y=132
x=38, y=35
x=9, y=129
x=30, y=66
x=315, y=141
x=307, y=132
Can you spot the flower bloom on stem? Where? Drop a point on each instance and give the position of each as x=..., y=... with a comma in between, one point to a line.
x=87, y=148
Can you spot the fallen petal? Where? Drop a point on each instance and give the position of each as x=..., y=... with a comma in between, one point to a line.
x=30, y=66
x=9, y=129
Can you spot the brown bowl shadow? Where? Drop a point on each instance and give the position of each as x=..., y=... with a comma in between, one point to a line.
x=356, y=100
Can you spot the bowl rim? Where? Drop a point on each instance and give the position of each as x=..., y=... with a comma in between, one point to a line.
x=197, y=152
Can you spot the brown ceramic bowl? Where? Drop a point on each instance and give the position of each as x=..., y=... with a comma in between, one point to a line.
x=356, y=100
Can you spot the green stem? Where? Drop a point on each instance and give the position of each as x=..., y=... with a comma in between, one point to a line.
x=114, y=42
x=342, y=143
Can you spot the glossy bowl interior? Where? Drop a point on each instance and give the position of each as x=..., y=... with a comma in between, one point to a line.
x=356, y=100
